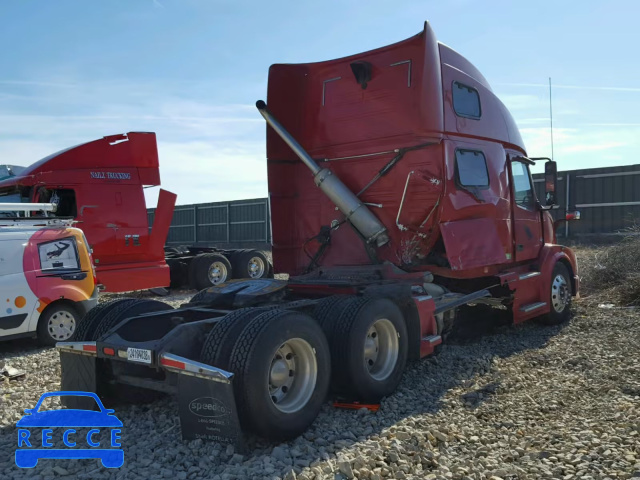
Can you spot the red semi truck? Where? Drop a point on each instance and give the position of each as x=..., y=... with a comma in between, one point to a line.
x=400, y=191
x=101, y=184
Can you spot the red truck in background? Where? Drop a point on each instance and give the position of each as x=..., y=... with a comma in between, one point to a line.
x=101, y=185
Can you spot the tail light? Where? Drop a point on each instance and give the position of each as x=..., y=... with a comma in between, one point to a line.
x=79, y=347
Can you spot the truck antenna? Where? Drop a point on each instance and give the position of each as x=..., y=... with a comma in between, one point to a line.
x=551, y=117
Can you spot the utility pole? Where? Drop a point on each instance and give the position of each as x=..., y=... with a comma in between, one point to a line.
x=551, y=117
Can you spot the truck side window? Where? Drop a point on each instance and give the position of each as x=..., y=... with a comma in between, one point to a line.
x=64, y=198
x=522, y=188
x=471, y=166
x=466, y=101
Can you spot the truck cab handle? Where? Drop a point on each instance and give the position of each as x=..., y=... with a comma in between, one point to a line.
x=86, y=206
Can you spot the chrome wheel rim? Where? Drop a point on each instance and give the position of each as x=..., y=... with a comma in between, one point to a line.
x=256, y=267
x=61, y=325
x=292, y=375
x=560, y=293
x=217, y=273
x=381, y=349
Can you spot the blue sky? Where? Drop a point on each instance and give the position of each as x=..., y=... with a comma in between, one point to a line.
x=191, y=71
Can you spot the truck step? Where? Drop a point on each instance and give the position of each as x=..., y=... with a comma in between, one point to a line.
x=457, y=300
x=528, y=275
x=433, y=339
x=532, y=306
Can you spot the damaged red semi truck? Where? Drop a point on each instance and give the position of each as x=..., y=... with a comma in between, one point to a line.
x=101, y=184
x=400, y=191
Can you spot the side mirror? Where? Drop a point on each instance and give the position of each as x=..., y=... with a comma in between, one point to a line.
x=550, y=183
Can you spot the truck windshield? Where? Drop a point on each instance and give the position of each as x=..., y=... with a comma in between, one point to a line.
x=7, y=171
x=10, y=195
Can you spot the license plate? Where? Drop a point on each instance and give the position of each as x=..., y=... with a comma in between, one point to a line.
x=139, y=355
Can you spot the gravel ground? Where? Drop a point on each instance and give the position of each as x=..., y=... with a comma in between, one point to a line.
x=522, y=402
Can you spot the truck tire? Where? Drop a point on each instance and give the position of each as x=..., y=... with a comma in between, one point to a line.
x=369, y=346
x=559, y=296
x=177, y=273
x=329, y=308
x=125, y=310
x=198, y=298
x=219, y=343
x=57, y=323
x=250, y=264
x=89, y=323
x=282, y=370
x=208, y=269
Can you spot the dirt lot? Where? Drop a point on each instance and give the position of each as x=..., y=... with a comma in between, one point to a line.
x=522, y=402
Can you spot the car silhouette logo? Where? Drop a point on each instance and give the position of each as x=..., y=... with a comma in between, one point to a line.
x=29, y=450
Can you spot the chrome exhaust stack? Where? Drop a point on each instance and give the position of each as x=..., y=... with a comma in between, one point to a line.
x=353, y=209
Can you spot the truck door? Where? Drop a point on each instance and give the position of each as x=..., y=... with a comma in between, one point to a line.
x=133, y=233
x=526, y=216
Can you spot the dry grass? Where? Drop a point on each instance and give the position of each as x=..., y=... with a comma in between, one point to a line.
x=611, y=274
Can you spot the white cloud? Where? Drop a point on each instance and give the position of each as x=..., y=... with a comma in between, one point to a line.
x=517, y=102
x=583, y=146
x=216, y=152
x=208, y=152
x=211, y=171
x=572, y=87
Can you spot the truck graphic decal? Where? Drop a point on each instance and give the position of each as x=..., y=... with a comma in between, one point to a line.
x=111, y=175
x=60, y=247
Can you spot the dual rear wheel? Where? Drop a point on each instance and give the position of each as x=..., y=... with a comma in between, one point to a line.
x=369, y=345
x=281, y=365
x=210, y=269
x=285, y=361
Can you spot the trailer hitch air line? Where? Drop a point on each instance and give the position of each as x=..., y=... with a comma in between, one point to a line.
x=354, y=210
x=392, y=163
x=402, y=227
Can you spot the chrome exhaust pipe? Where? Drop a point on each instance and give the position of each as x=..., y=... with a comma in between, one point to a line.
x=353, y=209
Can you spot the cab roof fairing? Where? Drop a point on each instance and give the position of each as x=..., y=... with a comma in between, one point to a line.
x=296, y=96
x=130, y=150
x=450, y=57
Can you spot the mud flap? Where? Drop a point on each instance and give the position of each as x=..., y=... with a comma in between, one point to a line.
x=207, y=410
x=78, y=373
